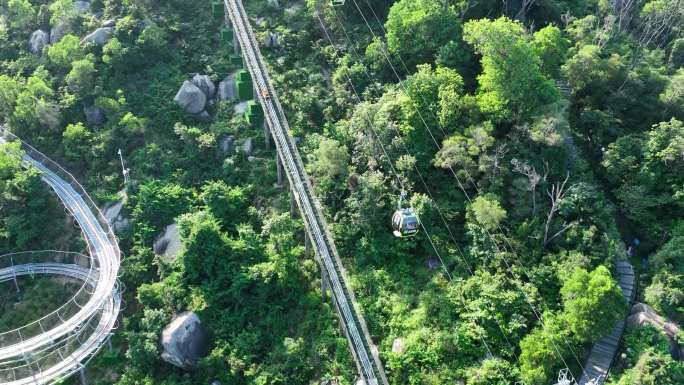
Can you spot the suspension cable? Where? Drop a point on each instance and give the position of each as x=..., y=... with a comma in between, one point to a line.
x=395, y=174
x=439, y=147
x=460, y=253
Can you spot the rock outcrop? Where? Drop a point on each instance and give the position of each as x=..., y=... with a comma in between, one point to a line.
x=247, y=147
x=39, y=40
x=81, y=6
x=168, y=244
x=643, y=314
x=271, y=40
x=226, y=89
x=191, y=98
x=184, y=341
x=204, y=83
x=58, y=31
x=227, y=144
x=100, y=36
x=108, y=23
x=113, y=212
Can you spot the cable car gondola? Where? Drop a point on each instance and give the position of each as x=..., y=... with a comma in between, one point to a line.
x=337, y=3
x=405, y=222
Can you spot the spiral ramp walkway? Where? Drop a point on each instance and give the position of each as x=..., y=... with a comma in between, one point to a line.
x=62, y=342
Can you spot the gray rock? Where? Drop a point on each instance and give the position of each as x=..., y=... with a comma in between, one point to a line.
x=58, y=31
x=204, y=83
x=240, y=108
x=191, y=98
x=293, y=10
x=227, y=144
x=184, y=341
x=642, y=314
x=168, y=244
x=114, y=214
x=94, y=115
x=226, y=89
x=247, y=147
x=81, y=6
x=271, y=40
x=39, y=40
x=398, y=345
x=100, y=36
x=432, y=264
x=203, y=117
x=109, y=23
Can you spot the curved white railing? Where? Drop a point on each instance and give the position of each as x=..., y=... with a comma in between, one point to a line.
x=37, y=352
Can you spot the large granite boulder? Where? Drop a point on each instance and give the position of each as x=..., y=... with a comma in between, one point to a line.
x=247, y=146
x=39, y=40
x=109, y=23
x=204, y=83
x=643, y=314
x=113, y=212
x=81, y=6
x=58, y=31
x=191, y=98
x=227, y=144
x=100, y=36
x=168, y=244
x=184, y=341
x=271, y=40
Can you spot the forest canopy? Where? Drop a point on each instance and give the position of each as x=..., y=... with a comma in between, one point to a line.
x=538, y=143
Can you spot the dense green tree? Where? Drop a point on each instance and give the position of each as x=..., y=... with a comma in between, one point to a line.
x=427, y=24
x=512, y=83
x=643, y=169
x=65, y=52
x=551, y=46
x=9, y=90
x=226, y=203
x=77, y=141
x=654, y=369
x=487, y=212
x=542, y=351
x=25, y=200
x=592, y=303
x=20, y=13
x=676, y=59
x=81, y=78
x=492, y=372
x=35, y=106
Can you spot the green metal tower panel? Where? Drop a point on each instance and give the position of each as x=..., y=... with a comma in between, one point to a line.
x=218, y=9
x=244, y=76
x=254, y=114
x=244, y=89
x=235, y=60
x=226, y=34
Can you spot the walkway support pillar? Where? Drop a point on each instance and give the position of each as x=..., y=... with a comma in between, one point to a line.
x=307, y=244
x=324, y=285
x=294, y=214
x=267, y=135
x=281, y=172
x=81, y=374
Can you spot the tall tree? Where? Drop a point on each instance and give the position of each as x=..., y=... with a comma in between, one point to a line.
x=426, y=24
x=512, y=84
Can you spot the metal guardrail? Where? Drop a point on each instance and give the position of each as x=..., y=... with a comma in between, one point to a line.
x=354, y=326
x=37, y=353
